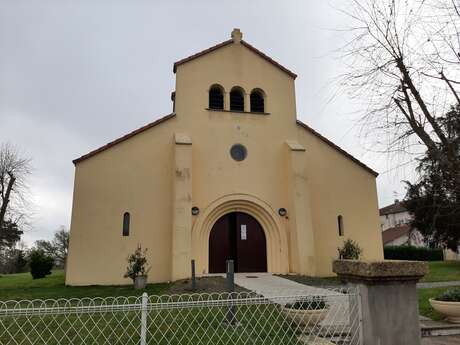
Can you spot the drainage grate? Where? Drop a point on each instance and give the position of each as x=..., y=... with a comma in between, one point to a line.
x=252, y=277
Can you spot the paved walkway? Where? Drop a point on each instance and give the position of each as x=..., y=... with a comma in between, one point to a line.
x=437, y=284
x=269, y=285
x=282, y=291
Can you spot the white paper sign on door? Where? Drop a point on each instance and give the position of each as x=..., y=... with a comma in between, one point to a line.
x=243, y=232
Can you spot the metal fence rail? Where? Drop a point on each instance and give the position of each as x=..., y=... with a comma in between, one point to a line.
x=331, y=317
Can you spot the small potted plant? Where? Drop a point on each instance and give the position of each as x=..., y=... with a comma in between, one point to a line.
x=137, y=268
x=350, y=250
x=448, y=304
x=307, y=312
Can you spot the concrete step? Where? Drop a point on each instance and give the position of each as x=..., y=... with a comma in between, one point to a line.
x=430, y=328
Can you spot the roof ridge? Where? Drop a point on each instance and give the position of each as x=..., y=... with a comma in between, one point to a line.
x=268, y=58
x=395, y=232
x=396, y=207
x=230, y=41
x=123, y=138
x=200, y=53
x=336, y=147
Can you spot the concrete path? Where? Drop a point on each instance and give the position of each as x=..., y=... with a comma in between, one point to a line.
x=282, y=291
x=437, y=284
x=269, y=285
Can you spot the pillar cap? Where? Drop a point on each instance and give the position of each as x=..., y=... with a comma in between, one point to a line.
x=380, y=271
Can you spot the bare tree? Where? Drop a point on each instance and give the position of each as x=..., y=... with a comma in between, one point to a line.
x=403, y=62
x=57, y=248
x=14, y=171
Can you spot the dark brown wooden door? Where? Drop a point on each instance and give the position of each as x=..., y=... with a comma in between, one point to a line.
x=237, y=236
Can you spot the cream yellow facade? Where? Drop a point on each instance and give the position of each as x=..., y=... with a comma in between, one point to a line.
x=159, y=172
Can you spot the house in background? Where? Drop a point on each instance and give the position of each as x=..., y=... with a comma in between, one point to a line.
x=395, y=224
x=397, y=231
x=230, y=174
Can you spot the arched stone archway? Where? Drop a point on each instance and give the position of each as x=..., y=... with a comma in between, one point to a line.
x=276, y=237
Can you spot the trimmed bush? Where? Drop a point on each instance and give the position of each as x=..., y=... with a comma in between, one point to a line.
x=412, y=253
x=350, y=250
x=311, y=303
x=40, y=264
x=452, y=295
x=137, y=264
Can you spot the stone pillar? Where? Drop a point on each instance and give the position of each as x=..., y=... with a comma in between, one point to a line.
x=301, y=235
x=182, y=205
x=388, y=296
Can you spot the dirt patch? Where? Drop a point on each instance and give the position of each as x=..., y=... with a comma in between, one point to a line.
x=203, y=285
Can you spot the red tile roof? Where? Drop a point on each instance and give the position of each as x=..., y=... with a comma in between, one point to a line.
x=397, y=207
x=392, y=234
x=123, y=138
x=230, y=41
x=334, y=146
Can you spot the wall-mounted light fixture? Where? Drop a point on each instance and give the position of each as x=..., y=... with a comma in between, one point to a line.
x=282, y=212
x=195, y=211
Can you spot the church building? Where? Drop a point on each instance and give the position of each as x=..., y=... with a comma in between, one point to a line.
x=231, y=173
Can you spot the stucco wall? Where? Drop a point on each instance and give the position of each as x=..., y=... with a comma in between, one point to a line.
x=137, y=176
x=133, y=176
x=340, y=187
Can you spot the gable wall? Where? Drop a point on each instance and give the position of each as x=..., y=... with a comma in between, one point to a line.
x=338, y=186
x=133, y=176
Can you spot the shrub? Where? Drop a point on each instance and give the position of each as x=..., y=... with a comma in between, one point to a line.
x=412, y=253
x=308, y=304
x=451, y=295
x=350, y=250
x=137, y=264
x=40, y=264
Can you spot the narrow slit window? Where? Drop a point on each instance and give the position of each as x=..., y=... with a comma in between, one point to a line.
x=257, y=102
x=340, y=225
x=126, y=220
x=216, y=98
x=236, y=100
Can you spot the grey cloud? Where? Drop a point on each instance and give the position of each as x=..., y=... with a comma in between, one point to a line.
x=77, y=74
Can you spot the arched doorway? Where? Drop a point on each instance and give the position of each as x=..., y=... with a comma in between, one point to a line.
x=237, y=236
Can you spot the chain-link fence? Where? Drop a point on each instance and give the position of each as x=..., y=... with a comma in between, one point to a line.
x=331, y=317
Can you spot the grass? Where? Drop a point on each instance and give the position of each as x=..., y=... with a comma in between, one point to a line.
x=443, y=271
x=424, y=305
x=22, y=286
x=180, y=326
x=185, y=325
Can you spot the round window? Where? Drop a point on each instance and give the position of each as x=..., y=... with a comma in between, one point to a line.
x=238, y=152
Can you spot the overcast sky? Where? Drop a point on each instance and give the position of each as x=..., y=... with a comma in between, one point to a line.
x=77, y=74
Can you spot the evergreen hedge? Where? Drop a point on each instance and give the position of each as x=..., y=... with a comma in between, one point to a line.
x=40, y=264
x=412, y=253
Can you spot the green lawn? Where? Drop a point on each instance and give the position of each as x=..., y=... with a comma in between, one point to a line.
x=443, y=271
x=181, y=326
x=178, y=326
x=424, y=305
x=22, y=286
